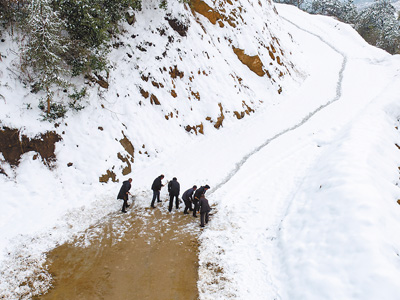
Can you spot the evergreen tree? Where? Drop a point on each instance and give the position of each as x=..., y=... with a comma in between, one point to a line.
x=379, y=26
x=343, y=11
x=41, y=55
x=348, y=12
x=297, y=3
x=326, y=7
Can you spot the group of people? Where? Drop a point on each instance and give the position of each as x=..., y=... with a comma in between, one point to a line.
x=194, y=198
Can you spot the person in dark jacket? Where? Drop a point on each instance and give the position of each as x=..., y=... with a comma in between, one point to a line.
x=187, y=197
x=204, y=210
x=124, y=192
x=156, y=187
x=173, y=190
x=202, y=190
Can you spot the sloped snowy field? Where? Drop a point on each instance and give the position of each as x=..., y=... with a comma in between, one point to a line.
x=305, y=189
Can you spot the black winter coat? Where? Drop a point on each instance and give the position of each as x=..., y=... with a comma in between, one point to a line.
x=174, y=188
x=157, y=184
x=126, y=186
x=198, y=193
x=188, y=195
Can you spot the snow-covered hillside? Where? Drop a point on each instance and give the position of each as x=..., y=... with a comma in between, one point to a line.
x=290, y=118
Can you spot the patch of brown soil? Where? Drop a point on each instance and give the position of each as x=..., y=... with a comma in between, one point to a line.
x=156, y=258
x=109, y=175
x=248, y=110
x=144, y=93
x=211, y=14
x=13, y=145
x=196, y=95
x=252, y=62
x=175, y=73
x=126, y=143
x=173, y=94
x=239, y=115
x=128, y=169
x=196, y=128
x=176, y=25
x=221, y=117
x=154, y=100
x=205, y=10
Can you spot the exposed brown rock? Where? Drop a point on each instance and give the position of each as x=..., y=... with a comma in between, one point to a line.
x=252, y=62
x=204, y=9
x=173, y=94
x=248, y=108
x=109, y=175
x=272, y=48
x=13, y=145
x=131, y=19
x=178, y=26
x=213, y=15
x=144, y=93
x=271, y=55
x=154, y=100
x=196, y=95
x=126, y=143
x=221, y=118
x=128, y=169
x=196, y=128
x=175, y=73
x=239, y=115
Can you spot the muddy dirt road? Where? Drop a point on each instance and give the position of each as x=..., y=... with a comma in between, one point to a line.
x=144, y=254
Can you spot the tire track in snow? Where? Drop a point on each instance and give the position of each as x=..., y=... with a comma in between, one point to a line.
x=337, y=96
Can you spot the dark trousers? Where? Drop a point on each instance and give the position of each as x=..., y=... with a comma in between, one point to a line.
x=125, y=204
x=188, y=206
x=156, y=194
x=203, y=218
x=171, y=201
x=196, y=207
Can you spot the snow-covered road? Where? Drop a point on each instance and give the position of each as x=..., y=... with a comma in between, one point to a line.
x=297, y=216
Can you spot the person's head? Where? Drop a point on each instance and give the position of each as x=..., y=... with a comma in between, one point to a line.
x=174, y=178
x=162, y=176
x=130, y=179
x=195, y=187
x=207, y=187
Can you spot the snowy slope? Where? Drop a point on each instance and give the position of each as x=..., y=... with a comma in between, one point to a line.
x=312, y=213
x=305, y=187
